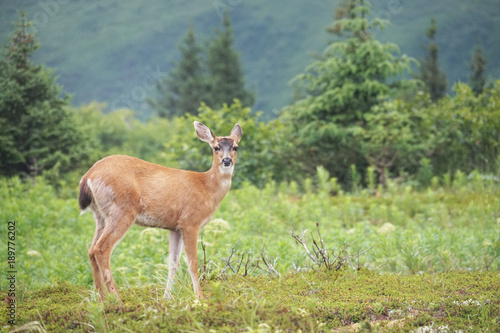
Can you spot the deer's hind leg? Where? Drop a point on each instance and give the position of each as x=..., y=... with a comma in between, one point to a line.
x=96, y=272
x=114, y=230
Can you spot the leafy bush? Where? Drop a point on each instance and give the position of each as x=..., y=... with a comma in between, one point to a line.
x=119, y=132
x=467, y=130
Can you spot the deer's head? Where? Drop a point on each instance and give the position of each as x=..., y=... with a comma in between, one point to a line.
x=225, y=148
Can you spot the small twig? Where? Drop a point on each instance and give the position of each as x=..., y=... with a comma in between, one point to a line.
x=204, y=257
x=228, y=264
x=319, y=234
x=85, y=324
x=321, y=254
x=249, y=258
x=255, y=266
x=239, y=264
x=360, y=253
x=303, y=242
x=265, y=259
x=344, y=249
x=228, y=261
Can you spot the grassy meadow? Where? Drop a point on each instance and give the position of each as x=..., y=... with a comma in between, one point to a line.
x=412, y=259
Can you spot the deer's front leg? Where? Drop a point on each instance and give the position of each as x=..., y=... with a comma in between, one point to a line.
x=174, y=256
x=190, y=238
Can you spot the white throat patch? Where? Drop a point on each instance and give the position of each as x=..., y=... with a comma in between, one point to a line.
x=226, y=170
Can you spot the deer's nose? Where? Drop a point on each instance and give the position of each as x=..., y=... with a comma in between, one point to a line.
x=227, y=162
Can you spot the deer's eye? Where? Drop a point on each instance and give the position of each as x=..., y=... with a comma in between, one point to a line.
x=235, y=148
x=216, y=148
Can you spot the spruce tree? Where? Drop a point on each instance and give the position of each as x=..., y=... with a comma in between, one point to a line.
x=39, y=132
x=182, y=91
x=430, y=73
x=354, y=74
x=477, y=66
x=227, y=80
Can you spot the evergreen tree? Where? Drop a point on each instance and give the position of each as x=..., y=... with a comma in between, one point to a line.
x=478, y=66
x=354, y=74
x=182, y=91
x=430, y=73
x=346, y=10
x=38, y=131
x=214, y=77
x=227, y=80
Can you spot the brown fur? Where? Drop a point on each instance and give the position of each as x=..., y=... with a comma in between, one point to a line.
x=122, y=190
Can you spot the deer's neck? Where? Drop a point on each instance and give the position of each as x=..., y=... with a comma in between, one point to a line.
x=218, y=181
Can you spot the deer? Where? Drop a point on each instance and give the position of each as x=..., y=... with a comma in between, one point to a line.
x=122, y=190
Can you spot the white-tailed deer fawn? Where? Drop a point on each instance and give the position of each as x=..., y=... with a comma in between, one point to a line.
x=121, y=190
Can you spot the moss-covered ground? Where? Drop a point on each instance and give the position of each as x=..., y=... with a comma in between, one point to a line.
x=315, y=301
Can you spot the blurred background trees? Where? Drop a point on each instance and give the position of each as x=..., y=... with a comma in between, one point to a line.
x=226, y=76
x=477, y=80
x=430, y=72
x=211, y=74
x=186, y=86
x=361, y=114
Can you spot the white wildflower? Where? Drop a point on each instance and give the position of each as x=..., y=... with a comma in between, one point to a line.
x=34, y=253
x=386, y=228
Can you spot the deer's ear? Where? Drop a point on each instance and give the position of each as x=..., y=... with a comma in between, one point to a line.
x=203, y=132
x=237, y=132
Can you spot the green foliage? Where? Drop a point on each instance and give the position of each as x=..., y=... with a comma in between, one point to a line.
x=354, y=178
x=430, y=73
x=394, y=136
x=173, y=142
x=425, y=174
x=466, y=130
x=478, y=67
x=370, y=178
x=39, y=132
x=457, y=132
x=119, y=132
x=343, y=85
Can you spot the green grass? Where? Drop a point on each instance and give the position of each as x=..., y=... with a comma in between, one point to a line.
x=435, y=230
x=431, y=248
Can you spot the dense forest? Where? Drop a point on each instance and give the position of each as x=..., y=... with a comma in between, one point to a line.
x=361, y=106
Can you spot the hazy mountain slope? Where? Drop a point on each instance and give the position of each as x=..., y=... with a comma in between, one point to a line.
x=113, y=51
